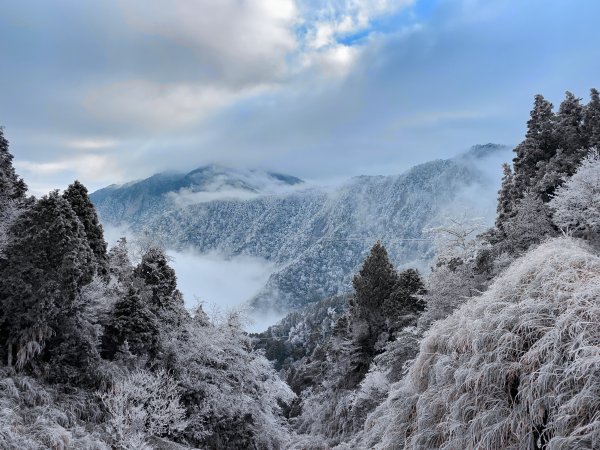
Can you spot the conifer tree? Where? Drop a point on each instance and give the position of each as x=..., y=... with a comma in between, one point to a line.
x=404, y=305
x=530, y=225
x=165, y=300
x=572, y=144
x=12, y=193
x=569, y=124
x=591, y=119
x=77, y=195
x=119, y=263
x=539, y=145
x=373, y=285
x=12, y=187
x=133, y=323
x=47, y=262
x=505, y=197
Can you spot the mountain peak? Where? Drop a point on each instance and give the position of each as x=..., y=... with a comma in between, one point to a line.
x=482, y=151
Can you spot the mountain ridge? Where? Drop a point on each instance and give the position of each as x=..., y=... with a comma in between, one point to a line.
x=316, y=237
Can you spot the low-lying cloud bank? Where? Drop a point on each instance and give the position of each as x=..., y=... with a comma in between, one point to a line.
x=220, y=283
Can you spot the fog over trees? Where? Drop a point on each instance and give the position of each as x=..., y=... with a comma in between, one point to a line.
x=497, y=346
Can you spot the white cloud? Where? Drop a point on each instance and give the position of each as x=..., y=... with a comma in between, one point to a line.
x=246, y=41
x=208, y=278
x=89, y=166
x=90, y=143
x=328, y=22
x=333, y=61
x=242, y=48
x=162, y=106
x=187, y=197
x=235, y=184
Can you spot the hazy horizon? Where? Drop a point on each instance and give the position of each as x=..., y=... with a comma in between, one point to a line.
x=115, y=91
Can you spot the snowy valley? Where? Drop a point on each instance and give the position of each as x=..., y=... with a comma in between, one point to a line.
x=496, y=347
x=315, y=238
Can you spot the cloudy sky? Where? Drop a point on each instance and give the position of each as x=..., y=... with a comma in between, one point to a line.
x=113, y=90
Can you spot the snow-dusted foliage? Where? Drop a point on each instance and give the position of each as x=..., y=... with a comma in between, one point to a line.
x=530, y=224
x=517, y=368
x=141, y=405
x=576, y=203
x=332, y=414
x=454, y=278
x=316, y=237
x=38, y=417
x=301, y=331
x=9, y=211
x=347, y=376
x=232, y=395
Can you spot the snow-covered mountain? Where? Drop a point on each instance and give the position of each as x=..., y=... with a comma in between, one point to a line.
x=316, y=237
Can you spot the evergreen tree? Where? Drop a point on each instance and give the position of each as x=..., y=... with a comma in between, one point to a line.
x=165, y=300
x=539, y=145
x=47, y=262
x=373, y=285
x=133, y=323
x=569, y=124
x=572, y=147
x=12, y=187
x=529, y=226
x=119, y=263
x=12, y=193
x=505, y=197
x=77, y=195
x=591, y=119
x=404, y=305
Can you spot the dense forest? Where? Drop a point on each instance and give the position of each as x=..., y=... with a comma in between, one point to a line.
x=498, y=346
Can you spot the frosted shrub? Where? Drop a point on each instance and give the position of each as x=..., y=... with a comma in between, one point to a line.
x=141, y=405
x=576, y=204
x=517, y=368
x=235, y=395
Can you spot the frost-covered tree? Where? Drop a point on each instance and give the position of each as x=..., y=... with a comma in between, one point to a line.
x=12, y=193
x=539, y=145
x=12, y=187
x=232, y=395
x=505, y=197
x=554, y=144
x=569, y=124
x=131, y=321
x=343, y=386
x=591, y=119
x=456, y=275
x=530, y=225
x=373, y=285
x=571, y=144
x=9, y=211
x=576, y=204
x=143, y=405
x=404, y=305
x=165, y=301
x=77, y=195
x=120, y=268
x=47, y=262
x=516, y=368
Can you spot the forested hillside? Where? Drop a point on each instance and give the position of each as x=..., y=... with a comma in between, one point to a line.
x=98, y=352
x=315, y=237
x=498, y=347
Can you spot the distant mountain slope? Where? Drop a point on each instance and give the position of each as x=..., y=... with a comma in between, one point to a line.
x=315, y=236
x=133, y=201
